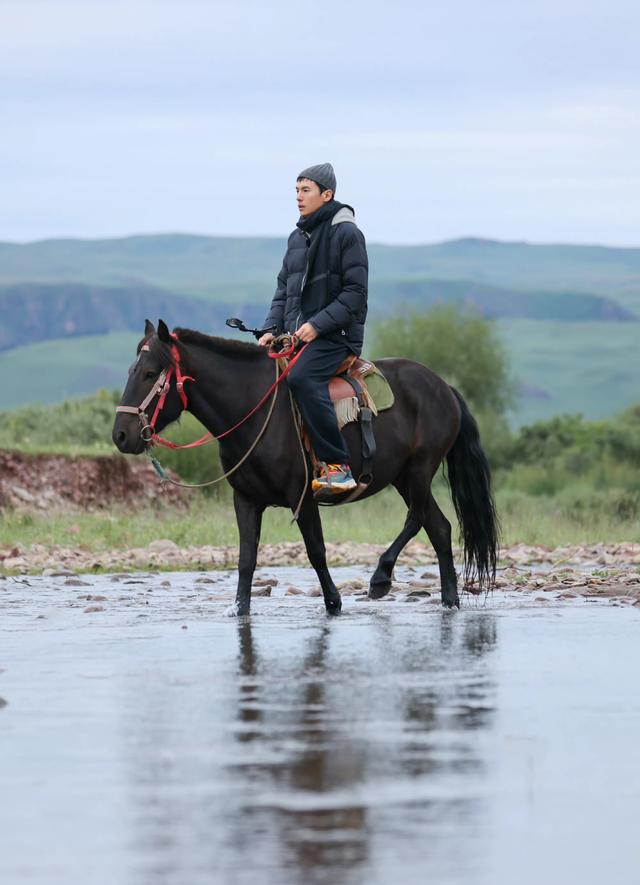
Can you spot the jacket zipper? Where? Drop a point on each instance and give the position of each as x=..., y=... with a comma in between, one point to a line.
x=307, y=236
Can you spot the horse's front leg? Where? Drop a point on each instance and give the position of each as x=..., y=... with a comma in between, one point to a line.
x=249, y=519
x=311, y=529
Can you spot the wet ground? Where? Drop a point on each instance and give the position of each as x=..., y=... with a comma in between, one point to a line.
x=146, y=738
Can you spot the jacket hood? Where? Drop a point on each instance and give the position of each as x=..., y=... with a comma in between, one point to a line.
x=344, y=214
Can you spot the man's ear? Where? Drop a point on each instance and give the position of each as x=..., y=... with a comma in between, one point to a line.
x=149, y=329
x=163, y=332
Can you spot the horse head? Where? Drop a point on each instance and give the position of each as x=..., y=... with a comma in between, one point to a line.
x=151, y=399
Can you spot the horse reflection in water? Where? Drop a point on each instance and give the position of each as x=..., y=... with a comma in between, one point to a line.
x=351, y=753
x=324, y=759
x=333, y=750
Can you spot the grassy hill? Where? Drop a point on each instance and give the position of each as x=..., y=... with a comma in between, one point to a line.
x=199, y=265
x=568, y=313
x=597, y=269
x=591, y=368
x=32, y=312
x=53, y=371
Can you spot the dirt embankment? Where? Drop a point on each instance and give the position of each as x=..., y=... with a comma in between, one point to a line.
x=90, y=483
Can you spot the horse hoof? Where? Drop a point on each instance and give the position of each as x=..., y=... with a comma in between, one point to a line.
x=334, y=607
x=451, y=603
x=379, y=589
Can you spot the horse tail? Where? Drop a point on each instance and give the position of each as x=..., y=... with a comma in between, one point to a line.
x=470, y=484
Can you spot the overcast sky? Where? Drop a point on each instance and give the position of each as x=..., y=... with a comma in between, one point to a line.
x=442, y=118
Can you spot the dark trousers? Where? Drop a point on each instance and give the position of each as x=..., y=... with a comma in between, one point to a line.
x=309, y=382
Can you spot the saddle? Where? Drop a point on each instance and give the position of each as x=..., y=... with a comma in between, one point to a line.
x=352, y=367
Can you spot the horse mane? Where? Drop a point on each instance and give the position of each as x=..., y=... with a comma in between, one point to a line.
x=223, y=346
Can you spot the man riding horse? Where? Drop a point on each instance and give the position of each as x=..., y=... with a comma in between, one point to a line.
x=321, y=296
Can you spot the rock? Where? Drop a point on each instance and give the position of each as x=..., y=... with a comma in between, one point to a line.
x=75, y=582
x=23, y=495
x=262, y=591
x=348, y=587
x=14, y=562
x=94, y=608
x=164, y=546
x=294, y=591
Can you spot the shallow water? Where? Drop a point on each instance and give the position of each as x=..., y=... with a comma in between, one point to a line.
x=148, y=739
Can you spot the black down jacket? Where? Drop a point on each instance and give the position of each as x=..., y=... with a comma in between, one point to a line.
x=342, y=317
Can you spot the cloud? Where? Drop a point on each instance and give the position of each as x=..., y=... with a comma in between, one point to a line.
x=441, y=119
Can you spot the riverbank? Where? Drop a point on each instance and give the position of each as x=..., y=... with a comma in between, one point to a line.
x=602, y=570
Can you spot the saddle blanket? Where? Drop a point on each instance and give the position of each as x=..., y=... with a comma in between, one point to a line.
x=376, y=390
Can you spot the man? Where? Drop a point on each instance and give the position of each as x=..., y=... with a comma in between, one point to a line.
x=322, y=296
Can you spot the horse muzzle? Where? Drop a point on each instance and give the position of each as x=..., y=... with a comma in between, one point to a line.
x=127, y=435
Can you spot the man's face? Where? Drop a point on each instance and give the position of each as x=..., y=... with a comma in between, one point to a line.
x=309, y=196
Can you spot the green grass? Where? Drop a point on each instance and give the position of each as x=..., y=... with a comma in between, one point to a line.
x=525, y=518
x=592, y=368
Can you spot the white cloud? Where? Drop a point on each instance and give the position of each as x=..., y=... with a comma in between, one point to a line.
x=494, y=118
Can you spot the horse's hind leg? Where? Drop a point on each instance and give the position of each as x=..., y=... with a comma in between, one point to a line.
x=414, y=489
x=311, y=529
x=249, y=518
x=438, y=528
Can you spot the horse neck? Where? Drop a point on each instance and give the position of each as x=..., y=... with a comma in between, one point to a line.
x=227, y=386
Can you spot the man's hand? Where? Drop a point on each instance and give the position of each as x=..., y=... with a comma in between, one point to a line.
x=307, y=333
x=266, y=339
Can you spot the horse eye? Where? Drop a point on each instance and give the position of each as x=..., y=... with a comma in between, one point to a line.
x=149, y=375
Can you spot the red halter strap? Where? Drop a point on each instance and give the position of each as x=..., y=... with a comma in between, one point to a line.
x=180, y=379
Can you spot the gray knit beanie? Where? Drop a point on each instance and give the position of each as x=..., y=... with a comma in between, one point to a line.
x=322, y=174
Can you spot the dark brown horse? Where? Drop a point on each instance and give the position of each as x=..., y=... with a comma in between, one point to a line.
x=428, y=423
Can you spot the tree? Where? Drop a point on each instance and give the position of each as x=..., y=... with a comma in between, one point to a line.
x=458, y=344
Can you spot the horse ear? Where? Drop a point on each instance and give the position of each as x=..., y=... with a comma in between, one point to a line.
x=163, y=332
x=149, y=329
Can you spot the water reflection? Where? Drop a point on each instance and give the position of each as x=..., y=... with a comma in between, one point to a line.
x=323, y=751
x=353, y=731
x=319, y=759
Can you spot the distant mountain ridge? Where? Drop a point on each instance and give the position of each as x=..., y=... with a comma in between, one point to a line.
x=34, y=312
x=63, y=288
x=204, y=266
x=72, y=310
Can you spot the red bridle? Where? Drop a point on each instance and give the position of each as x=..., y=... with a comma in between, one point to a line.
x=162, y=386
